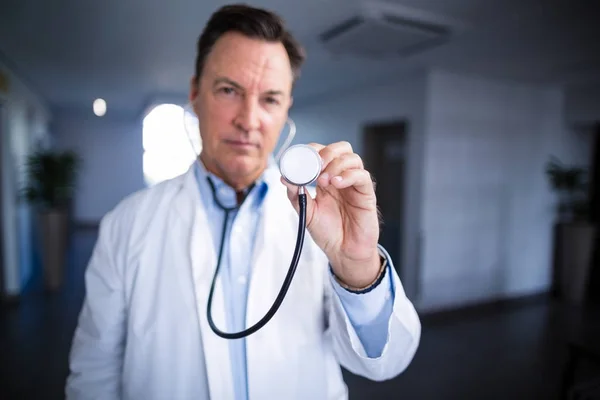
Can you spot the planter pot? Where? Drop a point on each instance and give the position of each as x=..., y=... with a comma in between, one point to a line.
x=575, y=246
x=54, y=227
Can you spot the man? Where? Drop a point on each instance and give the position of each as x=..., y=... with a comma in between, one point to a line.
x=143, y=331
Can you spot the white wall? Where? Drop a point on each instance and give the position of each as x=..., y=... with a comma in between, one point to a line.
x=478, y=201
x=488, y=211
x=24, y=123
x=343, y=117
x=111, y=150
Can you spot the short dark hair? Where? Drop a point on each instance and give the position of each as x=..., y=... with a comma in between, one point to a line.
x=251, y=22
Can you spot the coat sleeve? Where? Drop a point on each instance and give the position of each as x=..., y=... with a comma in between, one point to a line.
x=97, y=347
x=403, y=332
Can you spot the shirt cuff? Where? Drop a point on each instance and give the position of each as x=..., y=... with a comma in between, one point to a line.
x=365, y=309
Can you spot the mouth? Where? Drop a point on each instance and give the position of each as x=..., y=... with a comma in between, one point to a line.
x=241, y=144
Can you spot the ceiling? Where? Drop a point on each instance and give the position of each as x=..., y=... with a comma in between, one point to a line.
x=130, y=52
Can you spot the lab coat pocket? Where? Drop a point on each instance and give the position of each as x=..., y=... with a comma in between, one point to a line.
x=310, y=372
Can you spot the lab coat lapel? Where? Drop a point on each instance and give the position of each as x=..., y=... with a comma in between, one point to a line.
x=203, y=265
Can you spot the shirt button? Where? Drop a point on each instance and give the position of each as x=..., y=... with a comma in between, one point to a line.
x=242, y=280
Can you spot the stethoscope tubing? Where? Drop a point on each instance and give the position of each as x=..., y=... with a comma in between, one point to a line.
x=286, y=283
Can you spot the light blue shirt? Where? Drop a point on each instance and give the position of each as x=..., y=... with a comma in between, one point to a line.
x=369, y=313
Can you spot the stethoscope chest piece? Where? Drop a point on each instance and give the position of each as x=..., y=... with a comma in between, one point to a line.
x=300, y=165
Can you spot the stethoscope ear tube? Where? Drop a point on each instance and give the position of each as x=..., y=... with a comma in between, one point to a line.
x=286, y=283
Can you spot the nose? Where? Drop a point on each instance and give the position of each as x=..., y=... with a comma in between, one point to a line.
x=248, y=118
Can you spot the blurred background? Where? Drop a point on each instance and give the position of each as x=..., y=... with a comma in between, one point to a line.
x=480, y=121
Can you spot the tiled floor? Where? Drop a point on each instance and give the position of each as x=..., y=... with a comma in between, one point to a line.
x=514, y=353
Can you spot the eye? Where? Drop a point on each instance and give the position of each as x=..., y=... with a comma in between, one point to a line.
x=272, y=101
x=227, y=90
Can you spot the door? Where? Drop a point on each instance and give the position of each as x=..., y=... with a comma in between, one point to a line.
x=594, y=175
x=2, y=279
x=385, y=157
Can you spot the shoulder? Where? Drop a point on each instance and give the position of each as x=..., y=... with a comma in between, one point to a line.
x=141, y=205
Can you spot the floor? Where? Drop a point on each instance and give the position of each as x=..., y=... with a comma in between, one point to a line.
x=514, y=352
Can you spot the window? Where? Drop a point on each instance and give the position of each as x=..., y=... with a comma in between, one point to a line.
x=169, y=149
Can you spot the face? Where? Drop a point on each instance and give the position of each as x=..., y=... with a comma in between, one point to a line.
x=242, y=101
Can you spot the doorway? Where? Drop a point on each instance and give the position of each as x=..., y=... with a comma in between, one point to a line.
x=385, y=156
x=594, y=175
x=2, y=271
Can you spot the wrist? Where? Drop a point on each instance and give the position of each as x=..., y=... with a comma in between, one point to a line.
x=358, y=275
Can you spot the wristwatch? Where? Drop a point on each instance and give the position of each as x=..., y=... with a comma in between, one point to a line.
x=372, y=285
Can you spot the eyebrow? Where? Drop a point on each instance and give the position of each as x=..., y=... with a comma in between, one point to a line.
x=233, y=83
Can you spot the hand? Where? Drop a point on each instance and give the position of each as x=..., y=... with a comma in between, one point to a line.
x=342, y=218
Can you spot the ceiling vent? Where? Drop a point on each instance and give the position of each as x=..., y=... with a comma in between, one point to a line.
x=382, y=30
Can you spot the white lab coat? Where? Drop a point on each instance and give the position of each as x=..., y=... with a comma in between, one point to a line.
x=143, y=332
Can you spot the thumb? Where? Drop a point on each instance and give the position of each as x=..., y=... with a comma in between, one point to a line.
x=292, y=193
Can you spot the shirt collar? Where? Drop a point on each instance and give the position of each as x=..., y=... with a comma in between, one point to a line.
x=226, y=194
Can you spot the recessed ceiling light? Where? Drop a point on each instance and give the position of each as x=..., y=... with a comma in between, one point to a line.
x=99, y=107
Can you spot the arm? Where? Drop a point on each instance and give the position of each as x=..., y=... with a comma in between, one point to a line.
x=97, y=348
x=370, y=312
x=375, y=336
x=344, y=222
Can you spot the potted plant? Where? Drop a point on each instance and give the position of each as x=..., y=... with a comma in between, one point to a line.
x=51, y=177
x=574, y=232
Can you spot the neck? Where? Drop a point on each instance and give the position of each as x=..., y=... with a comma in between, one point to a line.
x=239, y=184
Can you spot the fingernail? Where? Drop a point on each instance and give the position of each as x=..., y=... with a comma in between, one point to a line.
x=325, y=176
x=338, y=179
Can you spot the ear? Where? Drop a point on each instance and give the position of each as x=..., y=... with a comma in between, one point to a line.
x=194, y=89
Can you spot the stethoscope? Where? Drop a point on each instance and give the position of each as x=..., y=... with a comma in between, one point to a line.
x=300, y=165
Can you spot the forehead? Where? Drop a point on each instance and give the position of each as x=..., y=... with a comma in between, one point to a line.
x=253, y=63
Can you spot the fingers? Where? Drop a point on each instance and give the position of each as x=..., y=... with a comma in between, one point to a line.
x=317, y=146
x=342, y=168
x=333, y=151
x=338, y=158
x=339, y=165
x=360, y=179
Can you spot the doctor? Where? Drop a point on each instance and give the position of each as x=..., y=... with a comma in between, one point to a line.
x=143, y=331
